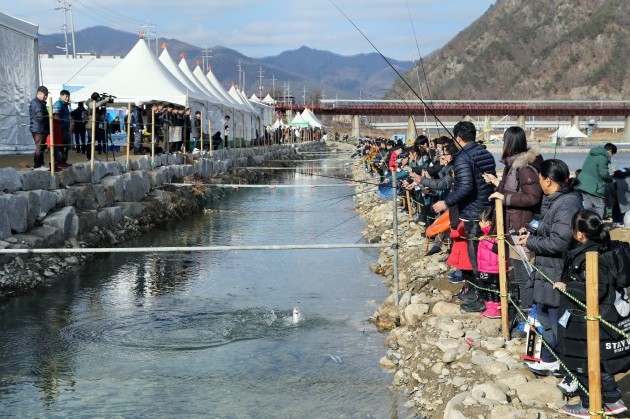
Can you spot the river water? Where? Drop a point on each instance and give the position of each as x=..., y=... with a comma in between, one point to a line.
x=210, y=334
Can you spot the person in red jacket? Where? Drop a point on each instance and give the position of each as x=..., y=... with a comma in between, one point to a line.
x=458, y=258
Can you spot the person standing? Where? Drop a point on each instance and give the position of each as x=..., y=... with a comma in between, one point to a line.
x=95, y=101
x=79, y=116
x=195, y=132
x=186, y=129
x=137, y=126
x=522, y=194
x=594, y=177
x=39, y=125
x=549, y=242
x=62, y=109
x=470, y=194
x=226, y=131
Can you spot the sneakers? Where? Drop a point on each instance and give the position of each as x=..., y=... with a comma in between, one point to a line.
x=467, y=295
x=617, y=225
x=576, y=410
x=568, y=386
x=493, y=310
x=543, y=368
x=615, y=408
x=434, y=250
x=64, y=165
x=579, y=411
x=42, y=169
x=476, y=306
x=455, y=277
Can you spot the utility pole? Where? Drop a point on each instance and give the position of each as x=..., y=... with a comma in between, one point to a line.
x=239, y=69
x=150, y=27
x=260, y=79
x=273, y=85
x=304, y=96
x=65, y=9
x=74, y=44
x=207, y=54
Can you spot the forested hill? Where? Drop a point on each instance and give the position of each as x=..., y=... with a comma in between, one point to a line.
x=534, y=49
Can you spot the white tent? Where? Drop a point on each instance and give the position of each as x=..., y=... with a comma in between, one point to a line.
x=279, y=124
x=254, y=98
x=140, y=76
x=298, y=121
x=268, y=100
x=567, y=135
x=59, y=72
x=310, y=117
x=18, y=83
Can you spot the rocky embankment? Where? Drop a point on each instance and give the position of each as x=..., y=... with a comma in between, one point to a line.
x=446, y=362
x=73, y=210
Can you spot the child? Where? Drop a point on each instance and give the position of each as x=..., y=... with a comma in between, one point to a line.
x=488, y=266
x=590, y=234
x=458, y=258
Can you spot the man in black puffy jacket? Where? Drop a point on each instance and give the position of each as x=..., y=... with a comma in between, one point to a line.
x=470, y=192
x=40, y=124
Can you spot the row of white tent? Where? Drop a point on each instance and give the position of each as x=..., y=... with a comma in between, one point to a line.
x=142, y=77
x=305, y=119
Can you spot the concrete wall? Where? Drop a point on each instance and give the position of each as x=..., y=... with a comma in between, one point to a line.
x=37, y=210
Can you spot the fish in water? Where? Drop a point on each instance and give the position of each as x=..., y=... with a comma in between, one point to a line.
x=297, y=315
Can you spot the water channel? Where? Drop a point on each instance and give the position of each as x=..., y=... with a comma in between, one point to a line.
x=210, y=334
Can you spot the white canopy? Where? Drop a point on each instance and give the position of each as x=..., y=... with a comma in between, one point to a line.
x=298, y=121
x=310, y=117
x=254, y=98
x=140, y=76
x=183, y=66
x=268, y=100
x=278, y=124
x=567, y=135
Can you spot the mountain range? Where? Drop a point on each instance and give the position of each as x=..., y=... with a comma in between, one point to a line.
x=321, y=73
x=533, y=49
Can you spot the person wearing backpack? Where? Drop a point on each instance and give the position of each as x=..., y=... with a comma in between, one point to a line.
x=591, y=235
x=521, y=193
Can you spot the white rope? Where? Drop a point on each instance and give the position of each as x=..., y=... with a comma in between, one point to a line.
x=196, y=248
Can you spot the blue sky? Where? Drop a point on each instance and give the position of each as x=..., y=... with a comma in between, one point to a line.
x=266, y=28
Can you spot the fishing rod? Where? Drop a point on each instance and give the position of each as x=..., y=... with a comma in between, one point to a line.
x=426, y=80
x=393, y=68
x=461, y=148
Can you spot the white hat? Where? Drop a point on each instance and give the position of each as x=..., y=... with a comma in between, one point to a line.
x=138, y=103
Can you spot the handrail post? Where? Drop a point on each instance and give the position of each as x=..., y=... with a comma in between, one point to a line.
x=395, y=227
x=592, y=334
x=129, y=133
x=505, y=327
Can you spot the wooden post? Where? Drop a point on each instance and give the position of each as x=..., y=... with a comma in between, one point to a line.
x=128, y=130
x=93, y=138
x=505, y=324
x=210, y=133
x=592, y=334
x=201, y=133
x=409, y=212
x=152, y=136
x=51, y=128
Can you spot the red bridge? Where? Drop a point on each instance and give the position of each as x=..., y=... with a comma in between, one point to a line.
x=462, y=108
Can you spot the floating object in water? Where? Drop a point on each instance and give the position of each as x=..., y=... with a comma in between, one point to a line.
x=272, y=187
x=336, y=359
x=297, y=315
x=313, y=186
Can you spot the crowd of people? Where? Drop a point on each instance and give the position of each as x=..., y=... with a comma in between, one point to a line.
x=551, y=220
x=177, y=128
